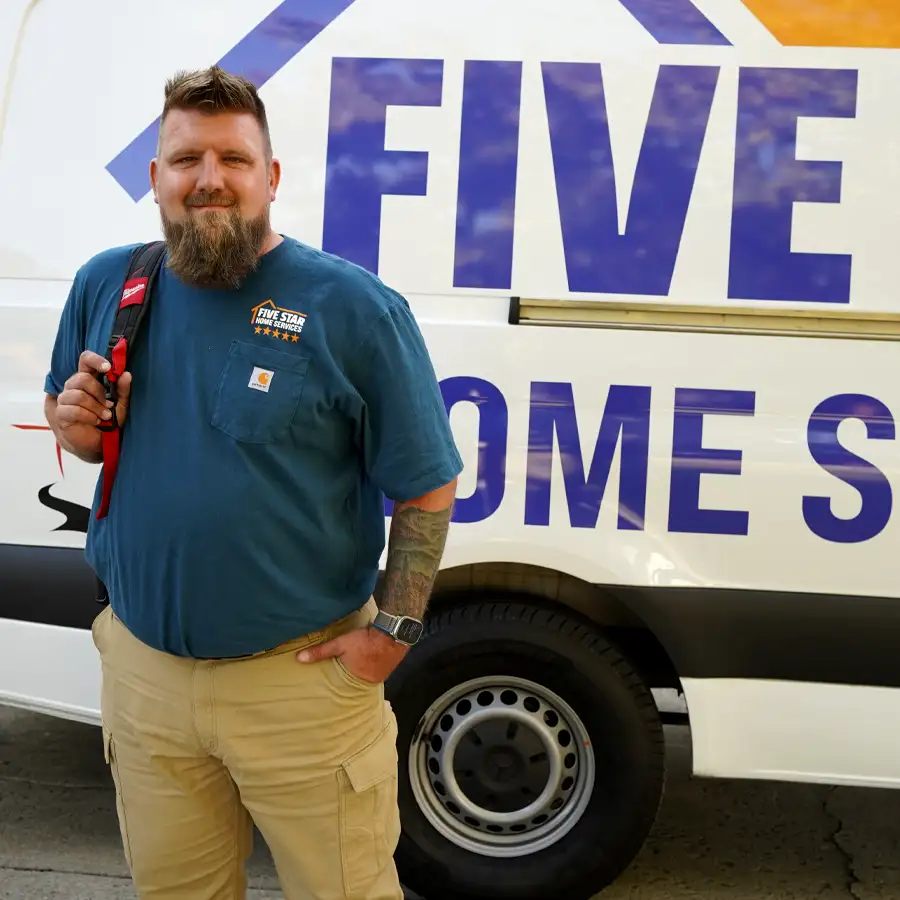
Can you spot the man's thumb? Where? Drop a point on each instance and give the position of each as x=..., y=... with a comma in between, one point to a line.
x=123, y=392
x=320, y=651
x=123, y=386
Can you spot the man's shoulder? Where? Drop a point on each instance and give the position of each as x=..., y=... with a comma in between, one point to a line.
x=346, y=282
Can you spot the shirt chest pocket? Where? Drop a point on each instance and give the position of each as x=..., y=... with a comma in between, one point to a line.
x=258, y=393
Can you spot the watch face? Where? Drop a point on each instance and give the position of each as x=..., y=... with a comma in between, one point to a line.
x=409, y=631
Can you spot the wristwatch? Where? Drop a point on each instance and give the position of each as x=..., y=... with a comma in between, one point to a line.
x=403, y=629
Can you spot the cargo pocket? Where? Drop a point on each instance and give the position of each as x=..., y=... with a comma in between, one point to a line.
x=109, y=754
x=369, y=818
x=258, y=393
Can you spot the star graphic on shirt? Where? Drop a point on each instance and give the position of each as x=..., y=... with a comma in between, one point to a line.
x=285, y=336
x=294, y=338
x=276, y=333
x=258, y=330
x=267, y=331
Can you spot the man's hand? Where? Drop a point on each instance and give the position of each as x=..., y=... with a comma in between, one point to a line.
x=368, y=653
x=81, y=407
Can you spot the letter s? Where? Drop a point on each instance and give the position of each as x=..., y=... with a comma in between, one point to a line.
x=873, y=487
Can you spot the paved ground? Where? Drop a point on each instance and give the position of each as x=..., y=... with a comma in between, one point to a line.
x=716, y=840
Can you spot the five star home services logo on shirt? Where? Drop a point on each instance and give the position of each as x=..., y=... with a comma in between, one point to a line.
x=274, y=321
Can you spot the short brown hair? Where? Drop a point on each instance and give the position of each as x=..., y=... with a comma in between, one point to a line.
x=214, y=90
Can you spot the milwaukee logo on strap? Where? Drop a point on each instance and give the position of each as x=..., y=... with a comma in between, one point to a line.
x=133, y=292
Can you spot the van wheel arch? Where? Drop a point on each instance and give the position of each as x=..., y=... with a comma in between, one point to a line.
x=595, y=606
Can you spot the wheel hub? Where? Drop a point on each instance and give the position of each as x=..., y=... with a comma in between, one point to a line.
x=503, y=767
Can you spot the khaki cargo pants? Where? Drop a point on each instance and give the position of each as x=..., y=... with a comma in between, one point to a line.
x=201, y=749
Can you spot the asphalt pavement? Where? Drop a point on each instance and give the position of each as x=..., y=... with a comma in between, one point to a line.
x=720, y=840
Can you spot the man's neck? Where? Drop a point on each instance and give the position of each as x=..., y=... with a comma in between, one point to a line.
x=273, y=239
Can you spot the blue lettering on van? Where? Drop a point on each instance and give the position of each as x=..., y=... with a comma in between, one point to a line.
x=554, y=440
x=359, y=169
x=600, y=257
x=626, y=416
x=639, y=259
x=493, y=432
x=488, y=166
x=769, y=180
x=691, y=460
x=873, y=487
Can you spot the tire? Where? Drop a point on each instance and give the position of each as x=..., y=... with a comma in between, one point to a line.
x=507, y=656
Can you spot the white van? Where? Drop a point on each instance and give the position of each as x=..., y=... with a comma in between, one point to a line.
x=653, y=250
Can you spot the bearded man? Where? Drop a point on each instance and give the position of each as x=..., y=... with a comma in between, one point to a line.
x=276, y=395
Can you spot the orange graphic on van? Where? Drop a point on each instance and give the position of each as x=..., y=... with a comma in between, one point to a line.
x=830, y=23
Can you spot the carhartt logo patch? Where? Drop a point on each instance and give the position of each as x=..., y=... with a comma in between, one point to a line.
x=261, y=379
x=277, y=322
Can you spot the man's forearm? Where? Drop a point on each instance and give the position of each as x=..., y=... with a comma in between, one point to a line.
x=415, y=546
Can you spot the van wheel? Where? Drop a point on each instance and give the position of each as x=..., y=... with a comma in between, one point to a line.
x=532, y=757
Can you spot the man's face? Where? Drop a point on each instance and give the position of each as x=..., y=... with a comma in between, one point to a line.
x=214, y=188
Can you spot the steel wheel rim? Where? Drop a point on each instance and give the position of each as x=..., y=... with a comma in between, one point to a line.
x=500, y=797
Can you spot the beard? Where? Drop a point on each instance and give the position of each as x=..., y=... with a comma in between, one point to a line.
x=215, y=248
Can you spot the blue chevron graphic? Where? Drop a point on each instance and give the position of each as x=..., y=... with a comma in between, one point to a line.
x=675, y=22
x=267, y=49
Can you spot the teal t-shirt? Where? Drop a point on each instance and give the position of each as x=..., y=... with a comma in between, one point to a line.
x=265, y=427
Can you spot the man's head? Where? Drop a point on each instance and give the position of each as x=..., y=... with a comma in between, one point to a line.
x=214, y=177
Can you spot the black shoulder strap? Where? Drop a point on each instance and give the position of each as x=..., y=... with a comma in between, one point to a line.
x=134, y=303
x=140, y=279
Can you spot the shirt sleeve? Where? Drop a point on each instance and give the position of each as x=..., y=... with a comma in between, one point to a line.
x=70, y=339
x=408, y=445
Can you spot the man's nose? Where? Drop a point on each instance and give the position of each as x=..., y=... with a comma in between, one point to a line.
x=209, y=176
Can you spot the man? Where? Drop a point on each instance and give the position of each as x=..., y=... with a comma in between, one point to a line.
x=274, y=393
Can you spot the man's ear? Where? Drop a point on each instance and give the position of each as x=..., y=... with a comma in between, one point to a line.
x=274, y=178
x=154, y=174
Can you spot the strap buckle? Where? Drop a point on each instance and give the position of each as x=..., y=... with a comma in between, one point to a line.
x=110, y=393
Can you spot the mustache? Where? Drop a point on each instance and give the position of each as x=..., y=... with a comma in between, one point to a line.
x=208, y=198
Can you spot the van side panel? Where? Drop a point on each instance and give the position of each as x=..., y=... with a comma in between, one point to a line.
x=729, y=485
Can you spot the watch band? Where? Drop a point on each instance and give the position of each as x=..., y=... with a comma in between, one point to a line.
x=403, y=629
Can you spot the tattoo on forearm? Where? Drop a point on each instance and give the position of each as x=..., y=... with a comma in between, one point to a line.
x=415, y=548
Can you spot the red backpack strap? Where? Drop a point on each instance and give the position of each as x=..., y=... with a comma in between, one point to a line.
x=134, y=303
